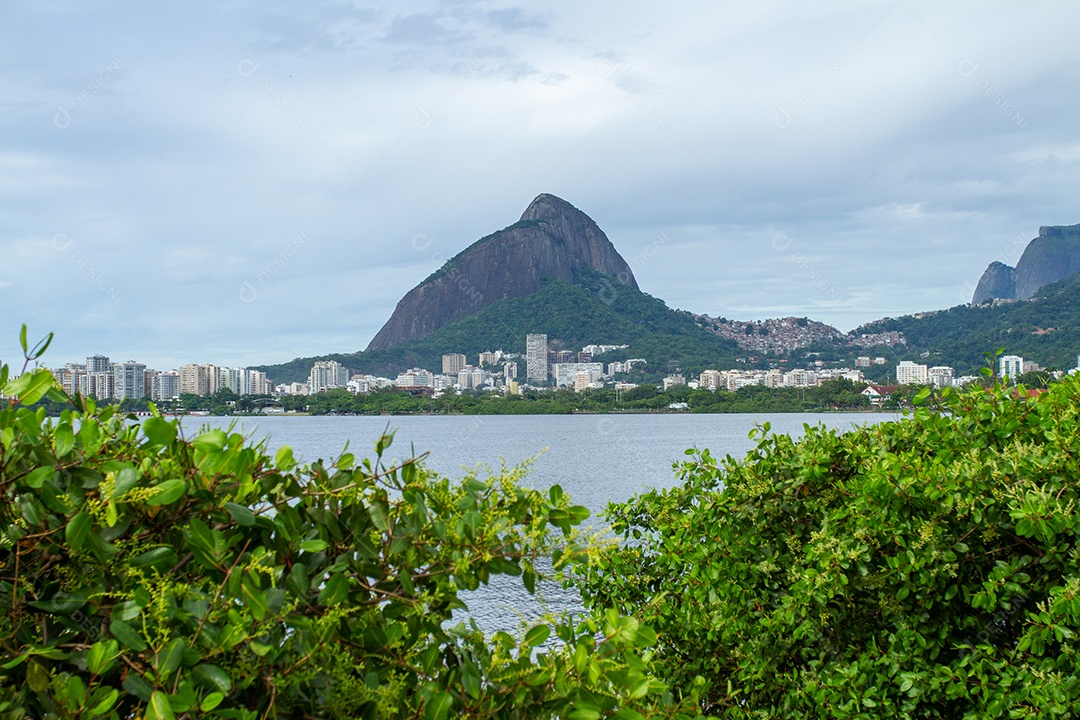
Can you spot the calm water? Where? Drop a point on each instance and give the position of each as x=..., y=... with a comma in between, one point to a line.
x=595, y=458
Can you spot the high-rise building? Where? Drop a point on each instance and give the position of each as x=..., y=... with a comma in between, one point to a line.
x=98, y=364
x=471, y=378
x=327, y=374
x=194, y=380
x=536, y=358
x=510, y=371
x=1011, y=366
x=213, y=378
x=941, y=376
x=99, y=384
x=257, y=383
x=165, y=386
x=912, y=373
x=561, y=356
x=128, y=380
x=452, y=364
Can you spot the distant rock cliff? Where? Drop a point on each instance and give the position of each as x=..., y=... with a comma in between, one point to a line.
x=1054, y=255
x=998, y=281
x=552, y=239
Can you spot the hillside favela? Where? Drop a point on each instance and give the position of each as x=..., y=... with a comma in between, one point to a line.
x=548, y=361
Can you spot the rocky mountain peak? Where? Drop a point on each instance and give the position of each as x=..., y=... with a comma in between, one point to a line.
x=1053, y=255
x=551, y=241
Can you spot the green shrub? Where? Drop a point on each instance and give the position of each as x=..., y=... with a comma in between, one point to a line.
x=927, y=568
x=146, y=575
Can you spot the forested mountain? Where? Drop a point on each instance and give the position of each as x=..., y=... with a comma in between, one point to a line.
x=593, y=309
x=1045, y=328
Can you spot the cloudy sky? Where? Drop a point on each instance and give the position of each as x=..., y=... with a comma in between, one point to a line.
x=248, y=182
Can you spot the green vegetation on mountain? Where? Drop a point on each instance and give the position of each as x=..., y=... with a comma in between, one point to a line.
x=595, y=309
x=1045, y=328
x=925, y=568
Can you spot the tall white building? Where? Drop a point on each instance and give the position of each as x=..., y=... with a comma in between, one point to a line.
x=128, y=380
x=1010, y=366
x=98, y=364
x=327, y=374
x=912, y=373
x=536, y=358
x=165, y=386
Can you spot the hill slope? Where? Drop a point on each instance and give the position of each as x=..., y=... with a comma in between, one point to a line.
x=591, y=308
x=1045, y=328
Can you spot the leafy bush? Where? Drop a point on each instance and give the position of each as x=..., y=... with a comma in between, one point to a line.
x=927, y=568
x=145, y=575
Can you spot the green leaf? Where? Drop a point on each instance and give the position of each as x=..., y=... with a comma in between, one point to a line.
x=167, y=493
x=38, y=477
x=284, y=458
x=313, y=546
x=162, y=559
x=211, y=676
x=63, y=440
x=60, y=604
x=101, y=656
x=76, y=690
x=335, y=591
x=103, y=700
x=240, y=514
x=254, y=598
x=158, y=431
x=159, y=708
x=211, y=441
x=30, y=386
x=77, y=529
x=127, y=635
x=438, y=706
x=168, y=659
x=211, y=701
x=537, y=636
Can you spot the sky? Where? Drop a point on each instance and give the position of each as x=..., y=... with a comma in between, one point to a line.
x=243, y=183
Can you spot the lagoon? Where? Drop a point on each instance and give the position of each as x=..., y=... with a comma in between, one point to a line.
x=597, y=459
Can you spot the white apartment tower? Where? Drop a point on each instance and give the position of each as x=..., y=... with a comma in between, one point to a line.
x=327, y=374
x=536, y=358
x=1011, y=366
x=912, y=373
x=128, y=380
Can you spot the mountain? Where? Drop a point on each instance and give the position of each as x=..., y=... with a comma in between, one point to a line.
x=1044, y=328
x=553, y=272
x=997, y=282
x=550, y=241
x=1052, y=256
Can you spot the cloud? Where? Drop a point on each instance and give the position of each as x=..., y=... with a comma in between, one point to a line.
x=201, y=140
